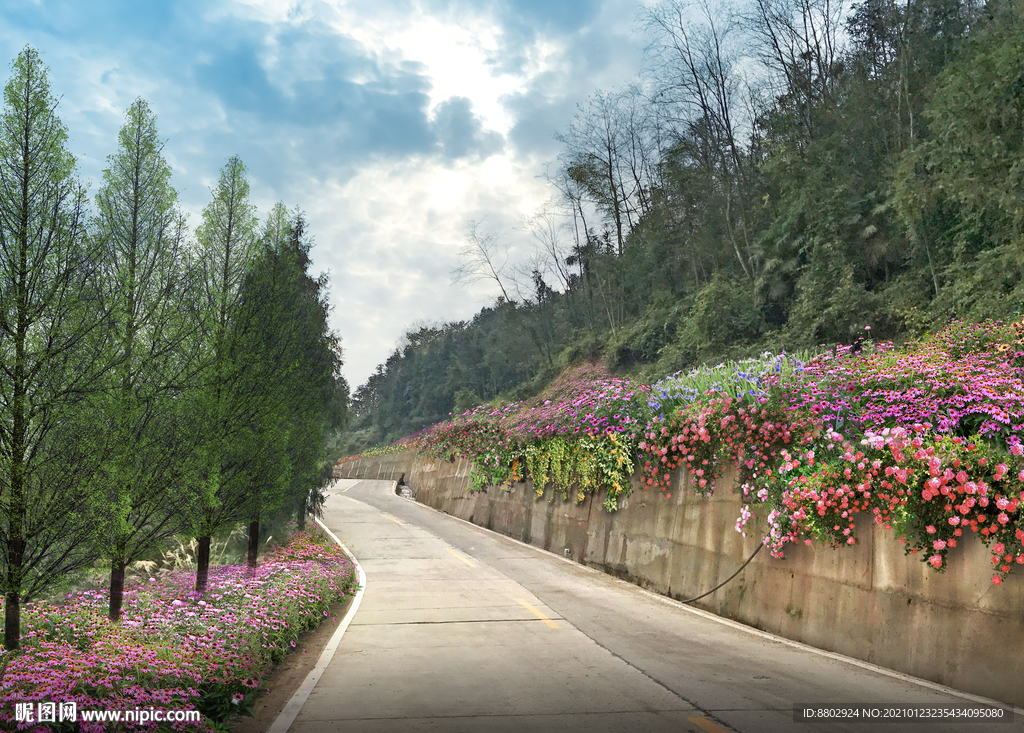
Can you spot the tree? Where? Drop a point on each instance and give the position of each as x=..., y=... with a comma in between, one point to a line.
x=292, y=360
x=610, y=151
x=318, y=393
x=960, y=192
x=229, y=244
x=50, y=348
x=485, y=257
x=800, y=44
x=695, y=62
x=140, y=233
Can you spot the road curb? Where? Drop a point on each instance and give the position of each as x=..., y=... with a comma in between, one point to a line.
x=292, y=708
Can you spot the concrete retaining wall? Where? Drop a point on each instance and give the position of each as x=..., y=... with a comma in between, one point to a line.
x=868, y=601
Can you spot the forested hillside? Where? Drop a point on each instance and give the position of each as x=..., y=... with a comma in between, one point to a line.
x=783, y=174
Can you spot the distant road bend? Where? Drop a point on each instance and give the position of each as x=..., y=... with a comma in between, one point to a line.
x=462, y=630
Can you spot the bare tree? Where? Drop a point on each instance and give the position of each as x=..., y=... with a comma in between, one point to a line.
x=485, y=257
x=610, y=158
x=799, y=44
x=573, y=197
x=694, y=59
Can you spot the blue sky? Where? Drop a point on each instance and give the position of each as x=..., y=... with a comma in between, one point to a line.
x=391, y=124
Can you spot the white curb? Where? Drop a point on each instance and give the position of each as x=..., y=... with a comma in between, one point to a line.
x=291, y=710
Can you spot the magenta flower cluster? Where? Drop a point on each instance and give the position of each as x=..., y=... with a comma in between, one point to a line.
x=958, y=380
x=172, y=649
x=584, y=400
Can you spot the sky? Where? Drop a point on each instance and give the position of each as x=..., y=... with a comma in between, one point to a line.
x=391, y=124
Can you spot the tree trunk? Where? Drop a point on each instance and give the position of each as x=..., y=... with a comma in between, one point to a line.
x=12, y=622
x=116, y=588
x=12, y=607
x=202, y=564
x=254, y=542
x=301, y=514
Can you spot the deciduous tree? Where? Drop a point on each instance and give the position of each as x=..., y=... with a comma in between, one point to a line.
x=51, y=351
x=140, y=233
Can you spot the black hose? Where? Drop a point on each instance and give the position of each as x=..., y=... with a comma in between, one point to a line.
x=702, y=595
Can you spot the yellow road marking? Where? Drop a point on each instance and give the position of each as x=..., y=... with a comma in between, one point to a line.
x=707, y=725
x=396, y=520
x=471, y=564
x=537, y=613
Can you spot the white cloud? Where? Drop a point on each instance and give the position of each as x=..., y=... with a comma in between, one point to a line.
x=391, y=236
x=256, y=77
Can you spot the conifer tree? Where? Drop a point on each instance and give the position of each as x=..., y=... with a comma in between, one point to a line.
x=140, y=232
x=294, y=360
x=51, y=344
x=228, y=245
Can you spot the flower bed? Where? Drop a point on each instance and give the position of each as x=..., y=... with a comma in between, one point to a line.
x=581, y=431
x=374, y=452
x=924, y=437
x=173, y=650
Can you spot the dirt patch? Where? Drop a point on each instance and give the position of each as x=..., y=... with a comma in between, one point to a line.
x=284, y=679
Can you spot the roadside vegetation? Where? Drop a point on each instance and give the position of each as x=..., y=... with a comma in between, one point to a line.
x=156, y=385
x=808, y=215
x=923, y=438
x=173, y=649
x=780, y=176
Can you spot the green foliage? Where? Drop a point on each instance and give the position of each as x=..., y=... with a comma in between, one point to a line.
x=228, y=247
x=137, y=494
x=962, y=188
x=51, y=343
x=147, y=386
x=723, y=316
x=874, y=182
x=831, y=305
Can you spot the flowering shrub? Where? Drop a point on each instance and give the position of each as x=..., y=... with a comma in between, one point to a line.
x=745, y=380
x=173, y=650
x=721, y=431
x=958, y=380
x=581, y=430
x=928, y=488
x=924, y=438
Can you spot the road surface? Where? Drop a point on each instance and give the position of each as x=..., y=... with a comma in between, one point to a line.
x=462, y=630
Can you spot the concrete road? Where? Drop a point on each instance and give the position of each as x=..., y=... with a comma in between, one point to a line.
x=462, y=630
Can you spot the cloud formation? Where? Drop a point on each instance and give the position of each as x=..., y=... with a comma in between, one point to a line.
x=390, y=124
